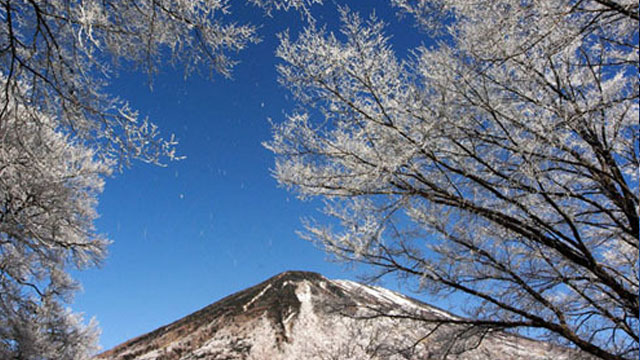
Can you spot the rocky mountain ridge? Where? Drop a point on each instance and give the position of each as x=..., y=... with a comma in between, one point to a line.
x=303, y=315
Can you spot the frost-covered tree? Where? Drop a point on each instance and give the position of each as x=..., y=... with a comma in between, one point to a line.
x=61, y=132
x=499, y=161
x=56, y=56
x=48, y=187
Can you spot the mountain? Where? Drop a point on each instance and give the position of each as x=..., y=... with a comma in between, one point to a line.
x=303, y=315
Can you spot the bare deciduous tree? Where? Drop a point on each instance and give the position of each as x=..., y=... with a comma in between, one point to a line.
x=61, y=132
x=500, y=162
x=48, y=188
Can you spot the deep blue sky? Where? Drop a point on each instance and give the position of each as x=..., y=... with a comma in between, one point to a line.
x=202, y=228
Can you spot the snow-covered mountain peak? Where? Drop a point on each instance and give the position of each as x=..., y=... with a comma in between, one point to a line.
x=303, y=315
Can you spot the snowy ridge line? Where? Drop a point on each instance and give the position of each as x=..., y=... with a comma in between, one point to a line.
x=286, y=324
x=391, y=297
x=246, y=306
x=288, y=318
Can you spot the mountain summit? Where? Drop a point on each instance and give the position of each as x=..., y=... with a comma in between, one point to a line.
x=303, y=315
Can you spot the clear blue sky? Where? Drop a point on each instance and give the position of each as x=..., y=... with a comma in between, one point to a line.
x=202, y=228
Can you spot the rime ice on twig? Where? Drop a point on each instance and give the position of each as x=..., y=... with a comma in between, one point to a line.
x=500, y=162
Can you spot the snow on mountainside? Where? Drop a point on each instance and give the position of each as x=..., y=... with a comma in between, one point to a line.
x=303, y=315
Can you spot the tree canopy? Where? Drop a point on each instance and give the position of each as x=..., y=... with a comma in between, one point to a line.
x=499, y=161
x=61, y=133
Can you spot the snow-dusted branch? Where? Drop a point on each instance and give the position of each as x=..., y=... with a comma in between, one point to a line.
x=501, y=163
x=61, y=133
x=48, y=188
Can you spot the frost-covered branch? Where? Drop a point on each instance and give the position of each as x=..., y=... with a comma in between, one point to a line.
x=48, y=189
x=500, y=163
x=61, y=133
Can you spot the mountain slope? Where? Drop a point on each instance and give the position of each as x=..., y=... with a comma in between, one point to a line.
x=303, y=315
